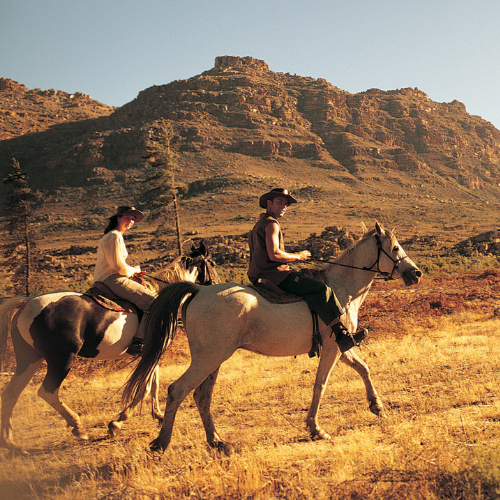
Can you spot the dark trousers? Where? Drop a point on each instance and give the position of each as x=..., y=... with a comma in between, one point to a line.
x=318, y=295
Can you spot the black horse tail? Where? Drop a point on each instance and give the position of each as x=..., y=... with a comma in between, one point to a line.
x=160, y=327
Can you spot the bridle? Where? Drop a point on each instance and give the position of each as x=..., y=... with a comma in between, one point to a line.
x=206, y=274
x=384, y=274
x=395, y=262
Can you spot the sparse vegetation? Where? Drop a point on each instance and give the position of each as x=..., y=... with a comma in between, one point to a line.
x=433, y=349
x=433, y=357
x=20, y=250
x=162, y=190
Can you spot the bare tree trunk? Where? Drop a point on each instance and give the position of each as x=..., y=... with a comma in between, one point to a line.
x=177, y=225
x=28, y=253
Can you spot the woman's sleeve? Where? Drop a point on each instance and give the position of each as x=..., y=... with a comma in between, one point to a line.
x=116, y=254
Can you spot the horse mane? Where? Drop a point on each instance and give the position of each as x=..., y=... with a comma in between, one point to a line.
x=366, y=235
x=174, y=272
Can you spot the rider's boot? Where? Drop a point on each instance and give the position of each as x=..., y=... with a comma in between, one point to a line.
x=137, y=345
x=345, y=339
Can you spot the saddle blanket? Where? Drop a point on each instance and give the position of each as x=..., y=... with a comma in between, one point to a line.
x=103, y=296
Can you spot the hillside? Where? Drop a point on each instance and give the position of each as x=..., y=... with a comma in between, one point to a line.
x=395, y=156
x=24, y=111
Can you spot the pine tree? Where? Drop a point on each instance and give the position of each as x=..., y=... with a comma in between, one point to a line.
x=19, y=205
x=163, y=189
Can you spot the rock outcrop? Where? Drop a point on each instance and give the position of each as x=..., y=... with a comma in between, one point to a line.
x=24, y=111
x=242, y=107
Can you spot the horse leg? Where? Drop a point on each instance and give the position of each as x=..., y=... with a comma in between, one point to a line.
x=27, y=363
x=155, y=400
x=153, y=387
x=327, y=361
x=192, y=378
x=49, y=392
x=203, y=399
x=350, y=358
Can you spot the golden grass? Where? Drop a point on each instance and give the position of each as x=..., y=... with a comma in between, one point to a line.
x=441, y=437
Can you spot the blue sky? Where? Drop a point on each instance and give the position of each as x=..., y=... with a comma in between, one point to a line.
x=113, y=49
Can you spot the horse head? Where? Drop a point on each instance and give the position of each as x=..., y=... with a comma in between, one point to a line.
x=392, y=260
x=199, y=258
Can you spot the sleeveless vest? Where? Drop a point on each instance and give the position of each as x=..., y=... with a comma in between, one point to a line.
x=261, y=266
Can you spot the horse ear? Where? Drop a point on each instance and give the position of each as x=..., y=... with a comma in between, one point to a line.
x=379, y=229
x=203, y=248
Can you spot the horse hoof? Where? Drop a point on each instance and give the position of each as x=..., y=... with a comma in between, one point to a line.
x=377, y=409
x=14, y=450
x=156, y=447
x=80, y=434
x=114, y=428
x=320, y=434
x=222, y=447
x=159, y=417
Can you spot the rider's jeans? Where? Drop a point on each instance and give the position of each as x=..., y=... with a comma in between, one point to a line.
x=130, y=290
x=319, y=296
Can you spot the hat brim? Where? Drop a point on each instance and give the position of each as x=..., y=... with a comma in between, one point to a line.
x=269, y=196
x=136, y=214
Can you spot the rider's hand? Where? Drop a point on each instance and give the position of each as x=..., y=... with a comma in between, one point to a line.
x=304, y=255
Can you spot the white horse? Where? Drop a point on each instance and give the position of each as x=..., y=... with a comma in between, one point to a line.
x=223, y=318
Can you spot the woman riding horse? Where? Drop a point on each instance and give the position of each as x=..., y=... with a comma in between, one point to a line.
x=112, y=269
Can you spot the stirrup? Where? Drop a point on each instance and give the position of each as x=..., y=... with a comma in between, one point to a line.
x=345, y=339
x=317, y=345
x=136, y=347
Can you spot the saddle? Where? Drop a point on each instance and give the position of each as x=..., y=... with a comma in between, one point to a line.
x=273, y=293
x=276, y=295
x=104, y=297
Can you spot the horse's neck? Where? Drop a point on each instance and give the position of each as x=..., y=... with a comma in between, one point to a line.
x=351, y=285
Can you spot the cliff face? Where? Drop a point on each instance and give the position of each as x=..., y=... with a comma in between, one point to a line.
x=241, y=107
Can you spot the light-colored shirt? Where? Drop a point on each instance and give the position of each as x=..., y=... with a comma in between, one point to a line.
x=111, y=257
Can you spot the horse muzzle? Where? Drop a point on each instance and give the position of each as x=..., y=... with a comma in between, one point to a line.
x=412, y=276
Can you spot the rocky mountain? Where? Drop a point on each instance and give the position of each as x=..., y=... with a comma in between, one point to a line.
x=241, y=128
x=24, y=111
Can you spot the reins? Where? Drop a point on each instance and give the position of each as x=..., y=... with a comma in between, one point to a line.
x=384, y=275
x=156, y=279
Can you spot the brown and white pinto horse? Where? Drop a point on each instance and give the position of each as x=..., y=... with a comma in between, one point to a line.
x=59, y=326
x=223, y=318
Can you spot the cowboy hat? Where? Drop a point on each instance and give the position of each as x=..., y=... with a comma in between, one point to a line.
x=275, y=193
x=132, y=211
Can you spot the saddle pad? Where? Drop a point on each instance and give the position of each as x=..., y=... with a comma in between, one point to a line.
x=274, y=294
x=98, y=294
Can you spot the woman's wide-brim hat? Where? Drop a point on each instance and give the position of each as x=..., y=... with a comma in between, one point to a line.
x=132, y=211
x=274, y=193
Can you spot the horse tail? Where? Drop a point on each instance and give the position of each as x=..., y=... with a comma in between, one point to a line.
x=159, y=331
x=7, y=311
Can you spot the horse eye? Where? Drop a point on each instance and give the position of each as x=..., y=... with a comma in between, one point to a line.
x=395, y=249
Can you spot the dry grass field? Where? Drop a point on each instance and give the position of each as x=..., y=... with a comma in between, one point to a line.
x=435, y=360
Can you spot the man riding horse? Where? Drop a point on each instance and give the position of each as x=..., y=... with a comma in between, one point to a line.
x=270, y=262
